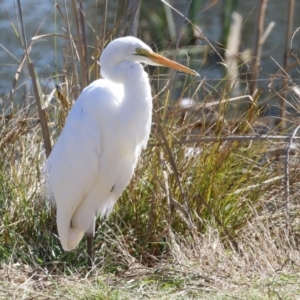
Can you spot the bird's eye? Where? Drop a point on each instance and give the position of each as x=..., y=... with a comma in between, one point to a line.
x=140, y=51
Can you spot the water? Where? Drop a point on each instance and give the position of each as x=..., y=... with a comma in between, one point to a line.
x=47, y=54
x=274, y=46
x=38, y=19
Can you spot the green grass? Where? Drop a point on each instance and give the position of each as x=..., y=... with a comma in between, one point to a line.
x=199, y=220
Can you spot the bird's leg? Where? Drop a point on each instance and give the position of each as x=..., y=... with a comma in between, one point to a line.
x=89, y=240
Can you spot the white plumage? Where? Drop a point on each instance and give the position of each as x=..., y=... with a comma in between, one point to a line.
x=94, y=157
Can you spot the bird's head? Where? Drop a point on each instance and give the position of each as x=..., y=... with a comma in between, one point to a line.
x=132, y=49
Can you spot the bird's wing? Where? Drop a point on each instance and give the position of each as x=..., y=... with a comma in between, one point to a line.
x=73, y=166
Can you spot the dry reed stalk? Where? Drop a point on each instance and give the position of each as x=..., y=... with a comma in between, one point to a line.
x=131, y=17
x=232, y=49
x=41, y=113
x=18, y=73
x=72, y=49
x=196, y=30
x=81, y=41
x=209, y=139
x=258, y=45
x=162, y=136
x=287, y=183
x=285, y=82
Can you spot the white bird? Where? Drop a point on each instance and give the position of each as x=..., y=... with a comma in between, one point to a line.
x=94, y=158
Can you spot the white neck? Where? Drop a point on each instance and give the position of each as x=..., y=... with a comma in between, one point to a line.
x=136, y=107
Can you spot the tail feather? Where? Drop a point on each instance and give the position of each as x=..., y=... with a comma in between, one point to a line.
x=75, y=236
x=69, y=236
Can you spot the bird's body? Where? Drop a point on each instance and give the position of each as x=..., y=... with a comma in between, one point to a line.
x=95, y=156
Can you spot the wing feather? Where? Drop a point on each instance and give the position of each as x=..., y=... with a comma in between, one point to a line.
x=77, y=153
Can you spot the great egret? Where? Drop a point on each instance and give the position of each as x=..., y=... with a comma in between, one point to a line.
x=95, y=155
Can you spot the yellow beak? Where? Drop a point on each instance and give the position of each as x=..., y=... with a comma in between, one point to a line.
x=160, y=60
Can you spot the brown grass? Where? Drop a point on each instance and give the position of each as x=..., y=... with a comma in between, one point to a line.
x=205, y=270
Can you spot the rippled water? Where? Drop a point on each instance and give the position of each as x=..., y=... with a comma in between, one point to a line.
x=11, y=50
x=41, y=18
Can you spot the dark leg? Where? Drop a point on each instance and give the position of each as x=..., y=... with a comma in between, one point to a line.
x=90, y=249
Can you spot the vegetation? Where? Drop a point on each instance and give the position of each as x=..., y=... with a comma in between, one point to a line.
x=211, y=213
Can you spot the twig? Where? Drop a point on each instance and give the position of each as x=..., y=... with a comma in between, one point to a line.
x=131, y=17
x=42, y=116
x=167, y=189
x=197, y=106
x=196, y=29
x=287, y=182
x=81, y=41
x=104, y=19
x=289, y=29
x=230, y=138
x=258, y=45
x=72, y=47
x=41, y=112
x=170, y=22
x=182, y=26
x=253, y=186
x=183, y=213
x=171, y=159
x=173, y=165
x=18, y=72
x=267, y=32
x=232, y=49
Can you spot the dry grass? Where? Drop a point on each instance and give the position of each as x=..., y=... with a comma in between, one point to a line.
x=204, y=271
